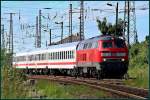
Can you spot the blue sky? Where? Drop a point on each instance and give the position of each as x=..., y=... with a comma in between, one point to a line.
x=24, y=39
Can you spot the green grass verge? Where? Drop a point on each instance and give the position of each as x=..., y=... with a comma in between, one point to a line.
x=57, y=90
x=141, y=77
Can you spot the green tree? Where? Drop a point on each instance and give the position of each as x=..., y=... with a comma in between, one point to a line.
x=109, y=29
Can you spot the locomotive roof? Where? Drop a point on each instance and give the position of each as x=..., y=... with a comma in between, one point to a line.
x=64, y=46
x=100, y=37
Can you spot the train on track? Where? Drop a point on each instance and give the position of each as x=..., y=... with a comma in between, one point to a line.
x=101, y=57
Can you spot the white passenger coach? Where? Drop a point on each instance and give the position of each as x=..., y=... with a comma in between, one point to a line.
x=61, y=56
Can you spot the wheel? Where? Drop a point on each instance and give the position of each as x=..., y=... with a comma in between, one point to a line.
x=100, y=75
x=126, y=76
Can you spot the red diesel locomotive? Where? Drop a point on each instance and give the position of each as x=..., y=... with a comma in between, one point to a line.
x=103, y=56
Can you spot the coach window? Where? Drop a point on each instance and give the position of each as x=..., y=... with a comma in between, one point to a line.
x=44, y=56
x=60, y=55
x=72, y=54
x=63, y=54
x=32, y=57
x=54, y=56
x=66, y=54
x=29, y=57
x=35, y=57
x=57, y=55
x=49, y=56
x=41, y=56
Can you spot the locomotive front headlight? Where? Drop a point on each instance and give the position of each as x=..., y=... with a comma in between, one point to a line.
x=104, y=59
x=122, y=59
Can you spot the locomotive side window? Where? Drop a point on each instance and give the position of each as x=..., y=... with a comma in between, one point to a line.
x=107, y=44
x=85, y=46
x=89, y=45
x=96, y=45
x=80, y=46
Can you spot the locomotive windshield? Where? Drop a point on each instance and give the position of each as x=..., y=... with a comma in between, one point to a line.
x=107, y=44
x=119, y=43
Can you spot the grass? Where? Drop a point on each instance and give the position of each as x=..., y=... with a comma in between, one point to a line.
x=141, y=77
x=69, y=91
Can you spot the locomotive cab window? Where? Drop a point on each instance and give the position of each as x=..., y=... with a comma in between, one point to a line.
x=107, y=44
x=119, y=43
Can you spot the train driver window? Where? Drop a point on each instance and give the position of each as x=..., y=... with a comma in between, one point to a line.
x=107, y=44
x=119, y=43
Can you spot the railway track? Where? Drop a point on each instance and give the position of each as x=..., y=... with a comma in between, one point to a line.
x=113, y=86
